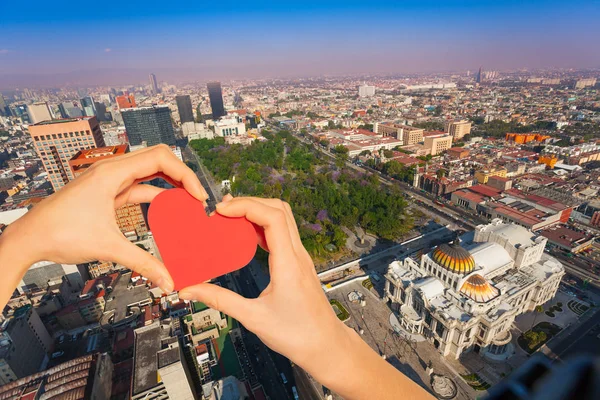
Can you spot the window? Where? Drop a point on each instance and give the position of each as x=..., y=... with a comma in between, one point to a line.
x=440, y=329
x=482, y=331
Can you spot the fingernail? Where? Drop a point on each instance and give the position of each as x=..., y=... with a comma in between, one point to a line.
x=186, y=295
x=204, y=191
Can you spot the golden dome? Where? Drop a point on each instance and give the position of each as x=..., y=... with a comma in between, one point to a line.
x=479, y=289
x=454, y=258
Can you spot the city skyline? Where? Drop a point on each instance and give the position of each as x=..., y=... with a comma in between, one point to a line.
x=380, y=38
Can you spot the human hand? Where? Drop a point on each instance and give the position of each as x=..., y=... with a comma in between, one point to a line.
x=77, y=224
x=292, y=315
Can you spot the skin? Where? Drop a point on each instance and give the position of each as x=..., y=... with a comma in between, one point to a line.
x=292, y=315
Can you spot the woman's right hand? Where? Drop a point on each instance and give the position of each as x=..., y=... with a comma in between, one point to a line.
x=292, y=315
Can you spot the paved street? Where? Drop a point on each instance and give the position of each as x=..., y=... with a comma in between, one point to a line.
x=409, y=357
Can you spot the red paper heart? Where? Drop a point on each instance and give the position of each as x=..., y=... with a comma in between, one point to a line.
x=194, y=247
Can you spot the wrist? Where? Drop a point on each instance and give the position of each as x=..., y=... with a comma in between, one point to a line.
x=15, y=250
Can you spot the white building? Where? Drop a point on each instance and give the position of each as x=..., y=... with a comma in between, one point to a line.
x=196, y=130
x=465, y=297
x=232, y=125
x=39, y=112
x=366, y=91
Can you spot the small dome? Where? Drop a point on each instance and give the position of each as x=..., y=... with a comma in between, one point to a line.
x=454, y=258
x=479, y=289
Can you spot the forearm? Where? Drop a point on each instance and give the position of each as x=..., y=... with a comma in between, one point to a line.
x=352, y=369
x=13, y=263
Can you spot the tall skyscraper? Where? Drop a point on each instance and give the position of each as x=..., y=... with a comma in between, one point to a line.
x=24, y=343
x=216, y=99
x=129, y=217
x=126, y=101
x=68, y=109
x=184, y=106
x=153, y=83
x=479, y=77
x=39, y=112
x=89, y=108
x=150, y=124
x=4, y=108
x=57, y=141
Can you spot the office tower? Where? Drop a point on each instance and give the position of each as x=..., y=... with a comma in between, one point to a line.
x=149, y=124
x=69, y=109
x=479, y=77
x=57, y=141
x=39, y=112
x=4, y=108
x=126, y=101
x=86, y=377
x=89, y=108
x=129, y=217
x=159, y=368
x=103, y=114
x=153, y=84
x=216, y=99
x=24, y=343
x=458, y=129
x=366, y=91
x=184, y=106
x=20, y=111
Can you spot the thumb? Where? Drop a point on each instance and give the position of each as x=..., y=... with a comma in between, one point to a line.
x=142, y=262
x=221, y=299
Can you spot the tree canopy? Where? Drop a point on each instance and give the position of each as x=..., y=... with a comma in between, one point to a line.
x=324, y=198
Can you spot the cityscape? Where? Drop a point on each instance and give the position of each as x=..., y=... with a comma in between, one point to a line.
x=452, y=215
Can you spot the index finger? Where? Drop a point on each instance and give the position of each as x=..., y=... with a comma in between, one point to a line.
x=160, y=159
x=271, y=219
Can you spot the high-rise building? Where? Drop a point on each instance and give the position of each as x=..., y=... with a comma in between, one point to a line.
x=149, y=124
x=366, y=91
x=216, y=99
x=129, y=217
x=89, y=108
x=184, y=106
x=102, y=114
x=57, y=141
x=20, y=111
x=159, y=368
x=126, y=101
x=24, y=344
x=69, y=109
x=39, y=112
x=4, y=108
x=437, y=142
x=153, y=84
x=479, y=77
x=457, y=129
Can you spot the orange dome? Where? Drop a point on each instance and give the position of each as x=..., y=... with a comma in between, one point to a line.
x=479, y=289
x=454, y=258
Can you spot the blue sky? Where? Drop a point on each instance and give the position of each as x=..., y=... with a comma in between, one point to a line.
x=275, y=38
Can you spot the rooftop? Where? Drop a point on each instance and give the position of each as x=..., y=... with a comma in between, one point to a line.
x=567, y=237
x=63, y=121
x=147, y=345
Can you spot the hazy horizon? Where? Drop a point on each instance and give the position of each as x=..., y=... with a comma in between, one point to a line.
x=68, y=45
